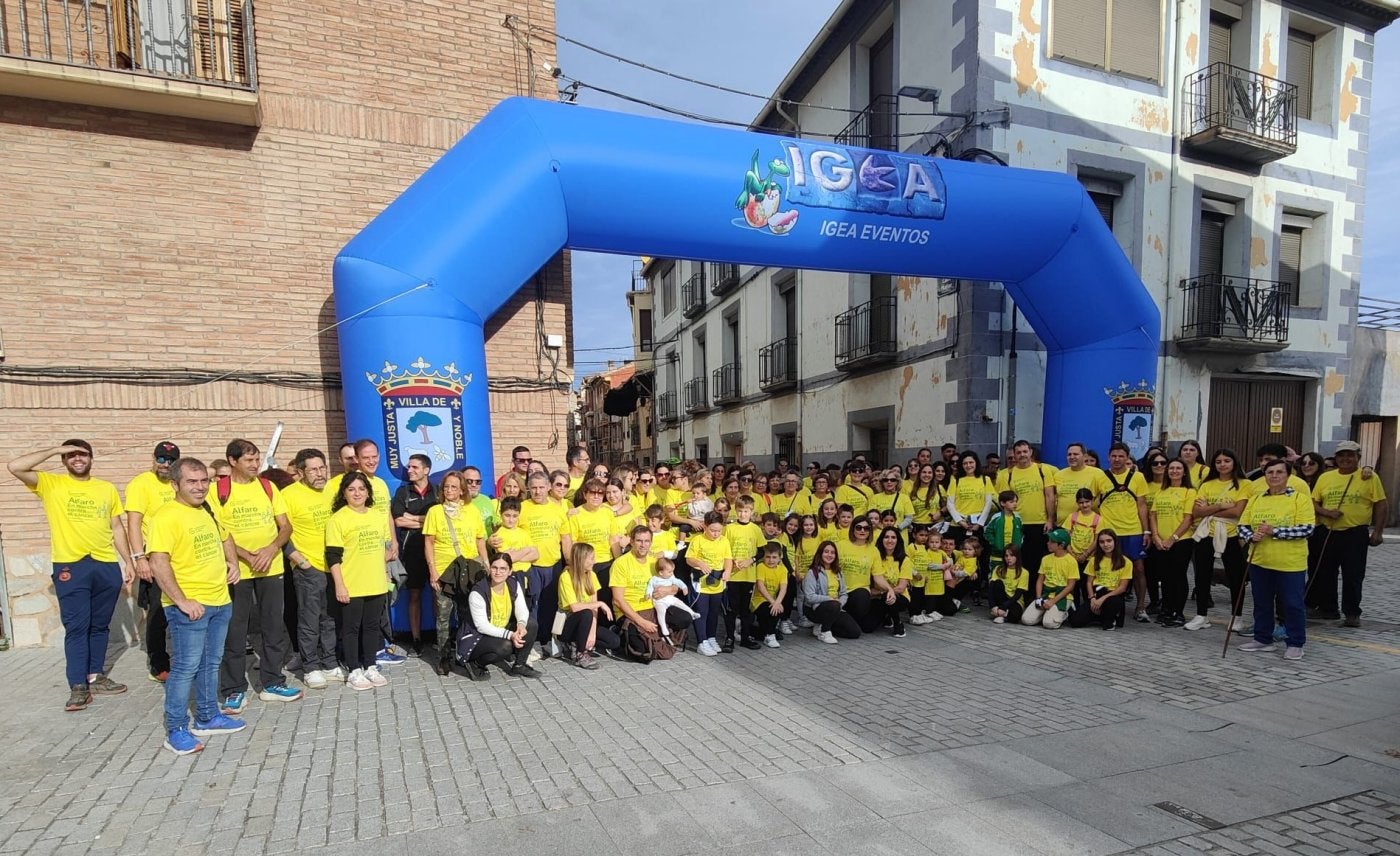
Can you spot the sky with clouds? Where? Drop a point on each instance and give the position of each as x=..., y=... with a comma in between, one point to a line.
x=751, y=47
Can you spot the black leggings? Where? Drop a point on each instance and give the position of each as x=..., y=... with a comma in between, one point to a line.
x=577, y=626
x=765, y=620
x=1173, y=564
x=1014, y=605
x=359, y=630
x=894, y=611
x=1110, y=614
x=832, y=619
x=1204, y=560
x=860, y=608
x=737, y=598
x=490, y=649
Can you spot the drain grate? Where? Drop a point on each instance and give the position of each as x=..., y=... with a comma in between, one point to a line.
x=1185, y=813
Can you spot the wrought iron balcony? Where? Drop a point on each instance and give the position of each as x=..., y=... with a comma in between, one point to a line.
x=666, y=407
x=777, y=365
x=697, y=397
x=875, y=127
x=693, y=295
x=725, y=380
x=1232, y=313
x=1240, y=115
x=723, y=278
x=866, y=334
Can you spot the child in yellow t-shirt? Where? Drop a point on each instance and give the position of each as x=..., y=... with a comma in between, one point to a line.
x=1007, y=587
x=964, y=573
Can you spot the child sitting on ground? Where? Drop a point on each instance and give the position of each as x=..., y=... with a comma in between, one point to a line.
x=1006, y=590
x=666, y=577
x=1053, y=597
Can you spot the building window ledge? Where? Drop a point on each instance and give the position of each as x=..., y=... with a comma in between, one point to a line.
x=121, y=90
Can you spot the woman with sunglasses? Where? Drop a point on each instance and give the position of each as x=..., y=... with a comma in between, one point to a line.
x=853, y=490
x=891, y=498
x=1169, y=519
x=859, y=557
x=1154, y=469
x=592, y=524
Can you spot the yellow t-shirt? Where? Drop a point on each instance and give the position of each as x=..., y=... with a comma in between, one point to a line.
x=772, y=579
x=1104, y=575
x=1119, y=509
x=918, y=555
x=1059, y=571
x=624, y=523
x=631, y=575
x=194, y=541
x=594, y=528
x=857, y=497
x=544, y=521
x=1291, y=508
x=933, y=573
x=1029, y=484
x=785, y=506
x=307, y=511
x=363, y=536
x=1216, y=491
x=744, y=540
x=857, y=564
x=568, y=596
x=575, y=482
x=712, y=551
x=925, y=506
x=1353, y=495
x=898, y=503
x=970, y=494
x=1172, y=505
x=761, y=503
x=511, y=541
x=1083, y=530
x=379, y=491
x=80, y=513
x=1068, y=482
x=468, y=526
x=1199, y=472
x=662, y=541
x=1012, y=580
x=251, y=518
x=145, y=494
x=894, y=571
x=967, y=565
x=1259, y=485
x=499, y=607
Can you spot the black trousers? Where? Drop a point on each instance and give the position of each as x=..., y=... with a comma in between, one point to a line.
x=1110, y=614
x=490, y=650
x=738, y=596
x=1345, y=553
x=1173, y=564
x=360, y=636
x=1035, y=545
x=831, y=618
x=157, y=652
x=1204, y=561
x=260, y=598
x=765, y=622
x=577, y=626
x=999, y=599
x=893, y=611
x=860, y=608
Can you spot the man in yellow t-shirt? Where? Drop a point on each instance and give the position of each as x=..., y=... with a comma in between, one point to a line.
x=86, y=532
x=545, y=520
x=1124, y=510
x=1034, y=486
x=1346, y=502
x=252, y=511
x=1071, y=479
x=145, y=494
x=194, y=563
x=308, y=504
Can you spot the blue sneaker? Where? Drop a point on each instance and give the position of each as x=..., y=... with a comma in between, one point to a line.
x=387, y=657
x=182, y=742
x=234, y=704
x=279, y=692
x=220, y=724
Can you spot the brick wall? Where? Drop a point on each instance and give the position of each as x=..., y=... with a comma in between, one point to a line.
x=136, y=240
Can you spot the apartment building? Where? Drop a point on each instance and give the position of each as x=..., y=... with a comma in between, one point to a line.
x=1224, y=142
x=178, y=177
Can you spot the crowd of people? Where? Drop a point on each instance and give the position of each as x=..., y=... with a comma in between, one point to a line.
x=586, y=562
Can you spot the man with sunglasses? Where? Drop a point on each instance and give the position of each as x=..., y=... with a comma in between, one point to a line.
x=85, y=524
x=1034, y=486
x=145, y=494
x=519, y=465
x=480, y=501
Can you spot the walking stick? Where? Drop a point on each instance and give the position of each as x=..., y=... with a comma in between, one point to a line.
x=1239, y=599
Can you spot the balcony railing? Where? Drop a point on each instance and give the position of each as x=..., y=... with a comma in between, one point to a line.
x=1378, y=312
x=723, y=278
x=777, y=365
x=697, y=397
x=203, y=41
x=666, y=407
x=725, y=381
x=875, y=127
x=1240, y=114
x=866, y=334
x=1232, y=313
x=693, y=295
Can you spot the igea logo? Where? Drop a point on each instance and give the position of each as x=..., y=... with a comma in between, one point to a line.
x=863, y=180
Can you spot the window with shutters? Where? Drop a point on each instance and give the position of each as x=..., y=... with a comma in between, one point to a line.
x=1290, y=262
x=1298, y=69
x=1220, y=39
x=1122, y=36
x=668, y=291
x=220, y=40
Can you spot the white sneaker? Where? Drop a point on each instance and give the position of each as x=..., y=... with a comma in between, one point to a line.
x=358, y=681
x=935, y=616
x=534, y=656
x=336, y=674
x=919, y=620
x=1292, y=653
x=314, y=679
x=1257, y=647
x=1240, y=625
x=708, y=648
x=787, y=628
x=1200, y=622
x=374, y=676
x=999, y=620
x=827, y=638
x=804, y=621
x=772, y=641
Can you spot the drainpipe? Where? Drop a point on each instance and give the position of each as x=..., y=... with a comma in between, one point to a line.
x=1011, y=382
x=1175, y=179
x=6, y=633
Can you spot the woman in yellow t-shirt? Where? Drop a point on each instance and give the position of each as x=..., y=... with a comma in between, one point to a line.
x=824, y=595
x=586, y=616
x=1277, y=524
x=859, y=556
x=1169, y=521
x=357, y=539
x=970, y=498
x=928, y=497
x=625, y=515
x=1220, y=501
x=501, y=628
x=1191, y=455
x=891, y=578
x=1106, y=579
x=712, y=560
x=591, y=523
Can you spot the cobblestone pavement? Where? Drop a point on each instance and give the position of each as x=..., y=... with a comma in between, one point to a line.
x=964, y=737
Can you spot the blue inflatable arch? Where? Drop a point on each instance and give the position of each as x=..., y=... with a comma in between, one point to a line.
x=414, y=289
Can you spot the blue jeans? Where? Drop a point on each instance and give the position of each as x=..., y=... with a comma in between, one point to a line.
x=196, y=651
x=1285, y=587
x=87, y=596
